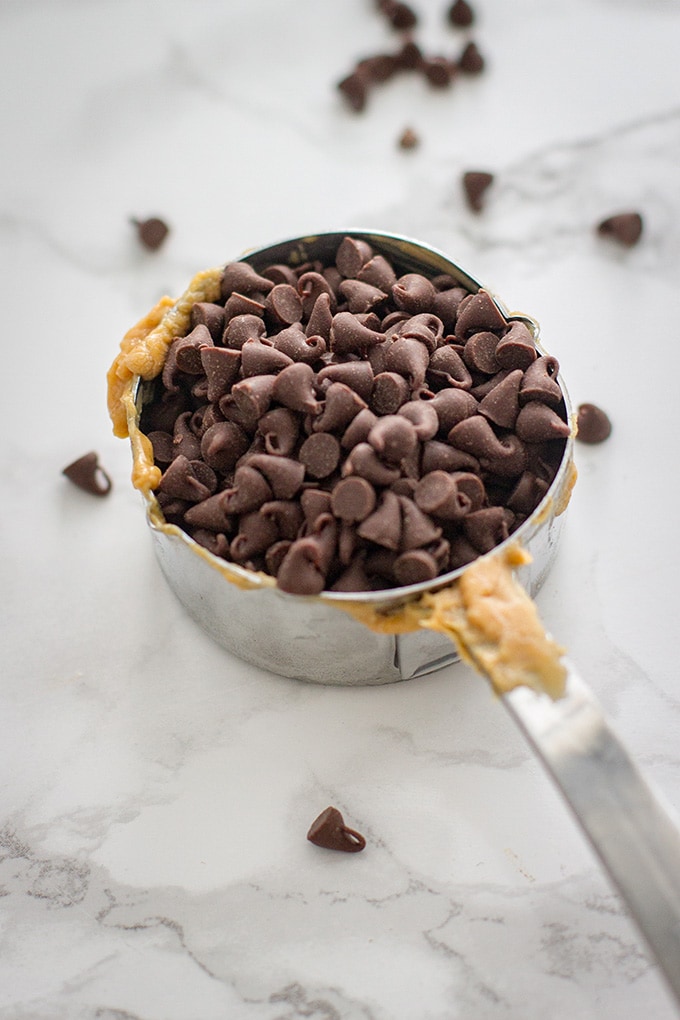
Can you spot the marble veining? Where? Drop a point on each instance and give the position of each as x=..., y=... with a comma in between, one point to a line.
x=156, y=792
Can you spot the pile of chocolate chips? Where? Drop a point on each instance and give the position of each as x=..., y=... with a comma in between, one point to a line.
x=343, y=427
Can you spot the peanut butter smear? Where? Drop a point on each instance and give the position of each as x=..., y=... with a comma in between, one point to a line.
x=490, y=618
x=496, y=628
x=144, y=347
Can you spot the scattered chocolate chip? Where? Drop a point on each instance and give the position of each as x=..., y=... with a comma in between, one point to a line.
x=624, y=228
x=439, y=71
x=400, y=15
x=87, y=474
x=408, y=139
x=593, y=424
x=354, y=88
x=151, y=232
x=475, y=185
x=471, y=60
x=460, y=14
x=329, y=831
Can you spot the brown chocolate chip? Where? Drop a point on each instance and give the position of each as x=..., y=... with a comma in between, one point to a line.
x=593, y=424
x=353, y=499
x=284, y=304
x=413, y=293
x=394, y=438
x=400, y=15
x=329, y=831
x=460, y=14
x=478, y=312
x=501, y=404
x=354, y=87
x=408, y=139
x=537, y=422
x=475, y=185
x=87, y=473
x=625, y=228
x=539, y=382
x=320, y=454
x=192, y=480
x=241, y=278
x=351, y=255
x=415, y=567
x=151, y=232
x=439, y=71
x=471, y=60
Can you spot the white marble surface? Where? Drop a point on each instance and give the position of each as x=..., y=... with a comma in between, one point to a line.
x=155, y=792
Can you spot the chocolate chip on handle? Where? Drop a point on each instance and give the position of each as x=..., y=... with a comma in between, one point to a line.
x=151, y=232
x=376, y=455
x=87, y=473
x=593, y=424
x=625, y=228
x=329, y=831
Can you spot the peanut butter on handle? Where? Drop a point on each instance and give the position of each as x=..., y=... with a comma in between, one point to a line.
x=496, y=627
x=492, y=621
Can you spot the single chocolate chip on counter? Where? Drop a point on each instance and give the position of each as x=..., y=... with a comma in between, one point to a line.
x=593, y=424
x=151, y=232
x=408, y=139
x=400, y=15
x=88, y=475
x=330, y=832
x=625, y=228
x=475, y=186
x=471, y=60
x=460, y=14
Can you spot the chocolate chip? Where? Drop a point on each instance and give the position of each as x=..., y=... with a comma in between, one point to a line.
x=400, y=15
x=87, y=473
x=471, y=60
x=475, y=185
x=330, y=832
x=624, y=228
x=320, y=454
x=593, y=424
x=460, y=14
x=151, y=232
x=408, y=139
x=439, y=71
